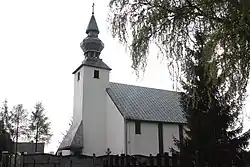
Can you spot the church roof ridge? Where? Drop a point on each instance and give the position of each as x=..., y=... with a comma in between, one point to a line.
x=147, y=87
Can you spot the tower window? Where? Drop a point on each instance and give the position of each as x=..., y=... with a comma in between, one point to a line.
x=78, y=76
x=137, y=127
x=96, y=74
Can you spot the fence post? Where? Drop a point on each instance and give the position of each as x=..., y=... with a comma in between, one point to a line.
x=108, y=152
x=174, y=160
x=166, y=159
x=133, y=161
x=127, y=160
x=117, y=161
x=151, y=160
x=158, y=160
x=5, y=159
x=111, y=159
x=22, y=160
x=122, y=160
x=9, y=160
x=94, y=160
x=60, y=160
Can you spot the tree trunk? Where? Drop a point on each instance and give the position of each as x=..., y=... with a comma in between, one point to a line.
x=17, y=129
x=36, y=137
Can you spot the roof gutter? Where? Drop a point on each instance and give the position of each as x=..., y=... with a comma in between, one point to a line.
x=152, y=121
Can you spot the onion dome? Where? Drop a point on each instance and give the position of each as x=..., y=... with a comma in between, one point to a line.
x=92, y=45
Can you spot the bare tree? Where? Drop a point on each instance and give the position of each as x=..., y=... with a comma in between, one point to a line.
x=18, y=119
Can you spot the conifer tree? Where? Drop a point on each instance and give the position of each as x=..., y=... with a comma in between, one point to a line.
x=6, y=129
x=5, y=115
x=39, y=125
x=214, y=132
x=6, y=143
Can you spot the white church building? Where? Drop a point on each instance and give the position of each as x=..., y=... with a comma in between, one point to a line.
x=118, y=117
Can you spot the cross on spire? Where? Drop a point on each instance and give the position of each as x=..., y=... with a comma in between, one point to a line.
x=93, y=8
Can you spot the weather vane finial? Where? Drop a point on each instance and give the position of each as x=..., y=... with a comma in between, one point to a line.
x=93, y=8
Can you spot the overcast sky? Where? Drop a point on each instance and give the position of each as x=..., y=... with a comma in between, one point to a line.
x=40, y=48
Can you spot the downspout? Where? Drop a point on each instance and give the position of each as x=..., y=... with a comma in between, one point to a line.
x=126, y=136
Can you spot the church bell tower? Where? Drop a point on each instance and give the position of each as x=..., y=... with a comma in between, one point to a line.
x=87, y=135
x=91, y=79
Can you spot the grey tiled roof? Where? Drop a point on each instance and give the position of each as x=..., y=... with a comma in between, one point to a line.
x=74, y=137
x=93, y=63
x=149, y=104
x=96, y=63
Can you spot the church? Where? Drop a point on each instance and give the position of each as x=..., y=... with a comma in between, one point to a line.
x=115, y=117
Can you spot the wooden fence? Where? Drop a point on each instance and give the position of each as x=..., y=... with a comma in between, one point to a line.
x=139, y=160
x=48, y=160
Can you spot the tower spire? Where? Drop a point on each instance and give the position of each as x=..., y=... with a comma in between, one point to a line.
x=92, y=45
x=92, y=27
x=93, y=8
